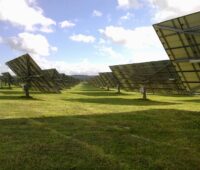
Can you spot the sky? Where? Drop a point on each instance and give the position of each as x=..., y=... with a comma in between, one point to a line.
x=85, y=36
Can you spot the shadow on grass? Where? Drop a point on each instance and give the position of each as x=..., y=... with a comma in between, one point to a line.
x=174, y=95
x=193, y=100
x=11, y=92
x=120, y=101
x=18, y=98
x=19, y=92
x=91, y=89
x=126, y=140
x=99, y=93
x=5, y=88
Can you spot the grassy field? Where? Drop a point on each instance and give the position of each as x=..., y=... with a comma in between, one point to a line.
x=87, y=128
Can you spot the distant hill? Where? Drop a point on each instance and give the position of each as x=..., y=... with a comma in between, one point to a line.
x=82, y=77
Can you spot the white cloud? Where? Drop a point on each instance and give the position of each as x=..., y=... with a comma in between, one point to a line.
x=82, y=38
x=35, y=44
x=67, y=24
x=127, y=4
x=116, y=34
x=97, y=13
x=26, y=14
x=109, y=52
x=127, y=16
x=53, y=48
x=168, y=9
x=142, y=42
x=138, y=37
x=102, y=41
x=84, y=67
x=1, y=39
x=163, y=9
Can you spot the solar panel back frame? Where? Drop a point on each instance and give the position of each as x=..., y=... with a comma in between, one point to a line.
x=181, y=39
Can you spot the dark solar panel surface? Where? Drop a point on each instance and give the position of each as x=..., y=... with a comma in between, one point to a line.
x=27, y=70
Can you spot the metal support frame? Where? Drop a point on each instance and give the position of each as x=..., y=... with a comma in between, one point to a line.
x=186, y=60
x=192, y=30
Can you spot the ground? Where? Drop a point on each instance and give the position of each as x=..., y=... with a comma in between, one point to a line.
x=89, y=128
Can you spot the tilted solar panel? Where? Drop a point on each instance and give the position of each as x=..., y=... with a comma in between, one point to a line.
x=93, y=81
x=67, y=81
x=53, y=75
x=109, y=78
x=7, y=75
x=156, y=76
x=101, y=82
x=106, y=84
x=97, y=81
x=7, y=78
x=121, y=77
x=29, y=72
x=181, y=39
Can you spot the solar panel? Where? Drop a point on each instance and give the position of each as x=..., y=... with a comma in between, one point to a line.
x=65, y=80
x=93, y=81
x=107, y=84
x=180, y=38
x=30, y=73
x=7, y=75
x=1, y=81
x=68, y=81
x=16, y=81
x=100, y=81
x=109, y=78
x=53, y=75
x=156, y=76
x=97, y=81
x=7, y=78
x=121, y=77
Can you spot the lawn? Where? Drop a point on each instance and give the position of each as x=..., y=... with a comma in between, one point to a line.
x=89, y=128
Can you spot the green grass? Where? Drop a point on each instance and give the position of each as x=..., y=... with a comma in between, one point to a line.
x=88, y=128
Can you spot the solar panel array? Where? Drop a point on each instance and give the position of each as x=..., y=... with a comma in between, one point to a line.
x=68, y=81
x=29, y=72
x=105, y=80
x=157, y=76
x=181, y=39
x=122, y=78
x=7, y=78
x=53, y=75
x=181, y=74
x=1, y=81
x=97, y=81
x=109, y=79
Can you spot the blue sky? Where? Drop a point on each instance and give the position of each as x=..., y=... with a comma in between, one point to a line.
x=85, y=36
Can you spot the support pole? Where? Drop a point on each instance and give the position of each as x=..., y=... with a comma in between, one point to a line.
x=1, y=83
x=118, y=88
x=144, y=93
x=9, y=85
x=28, y=79
x=26, y=90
